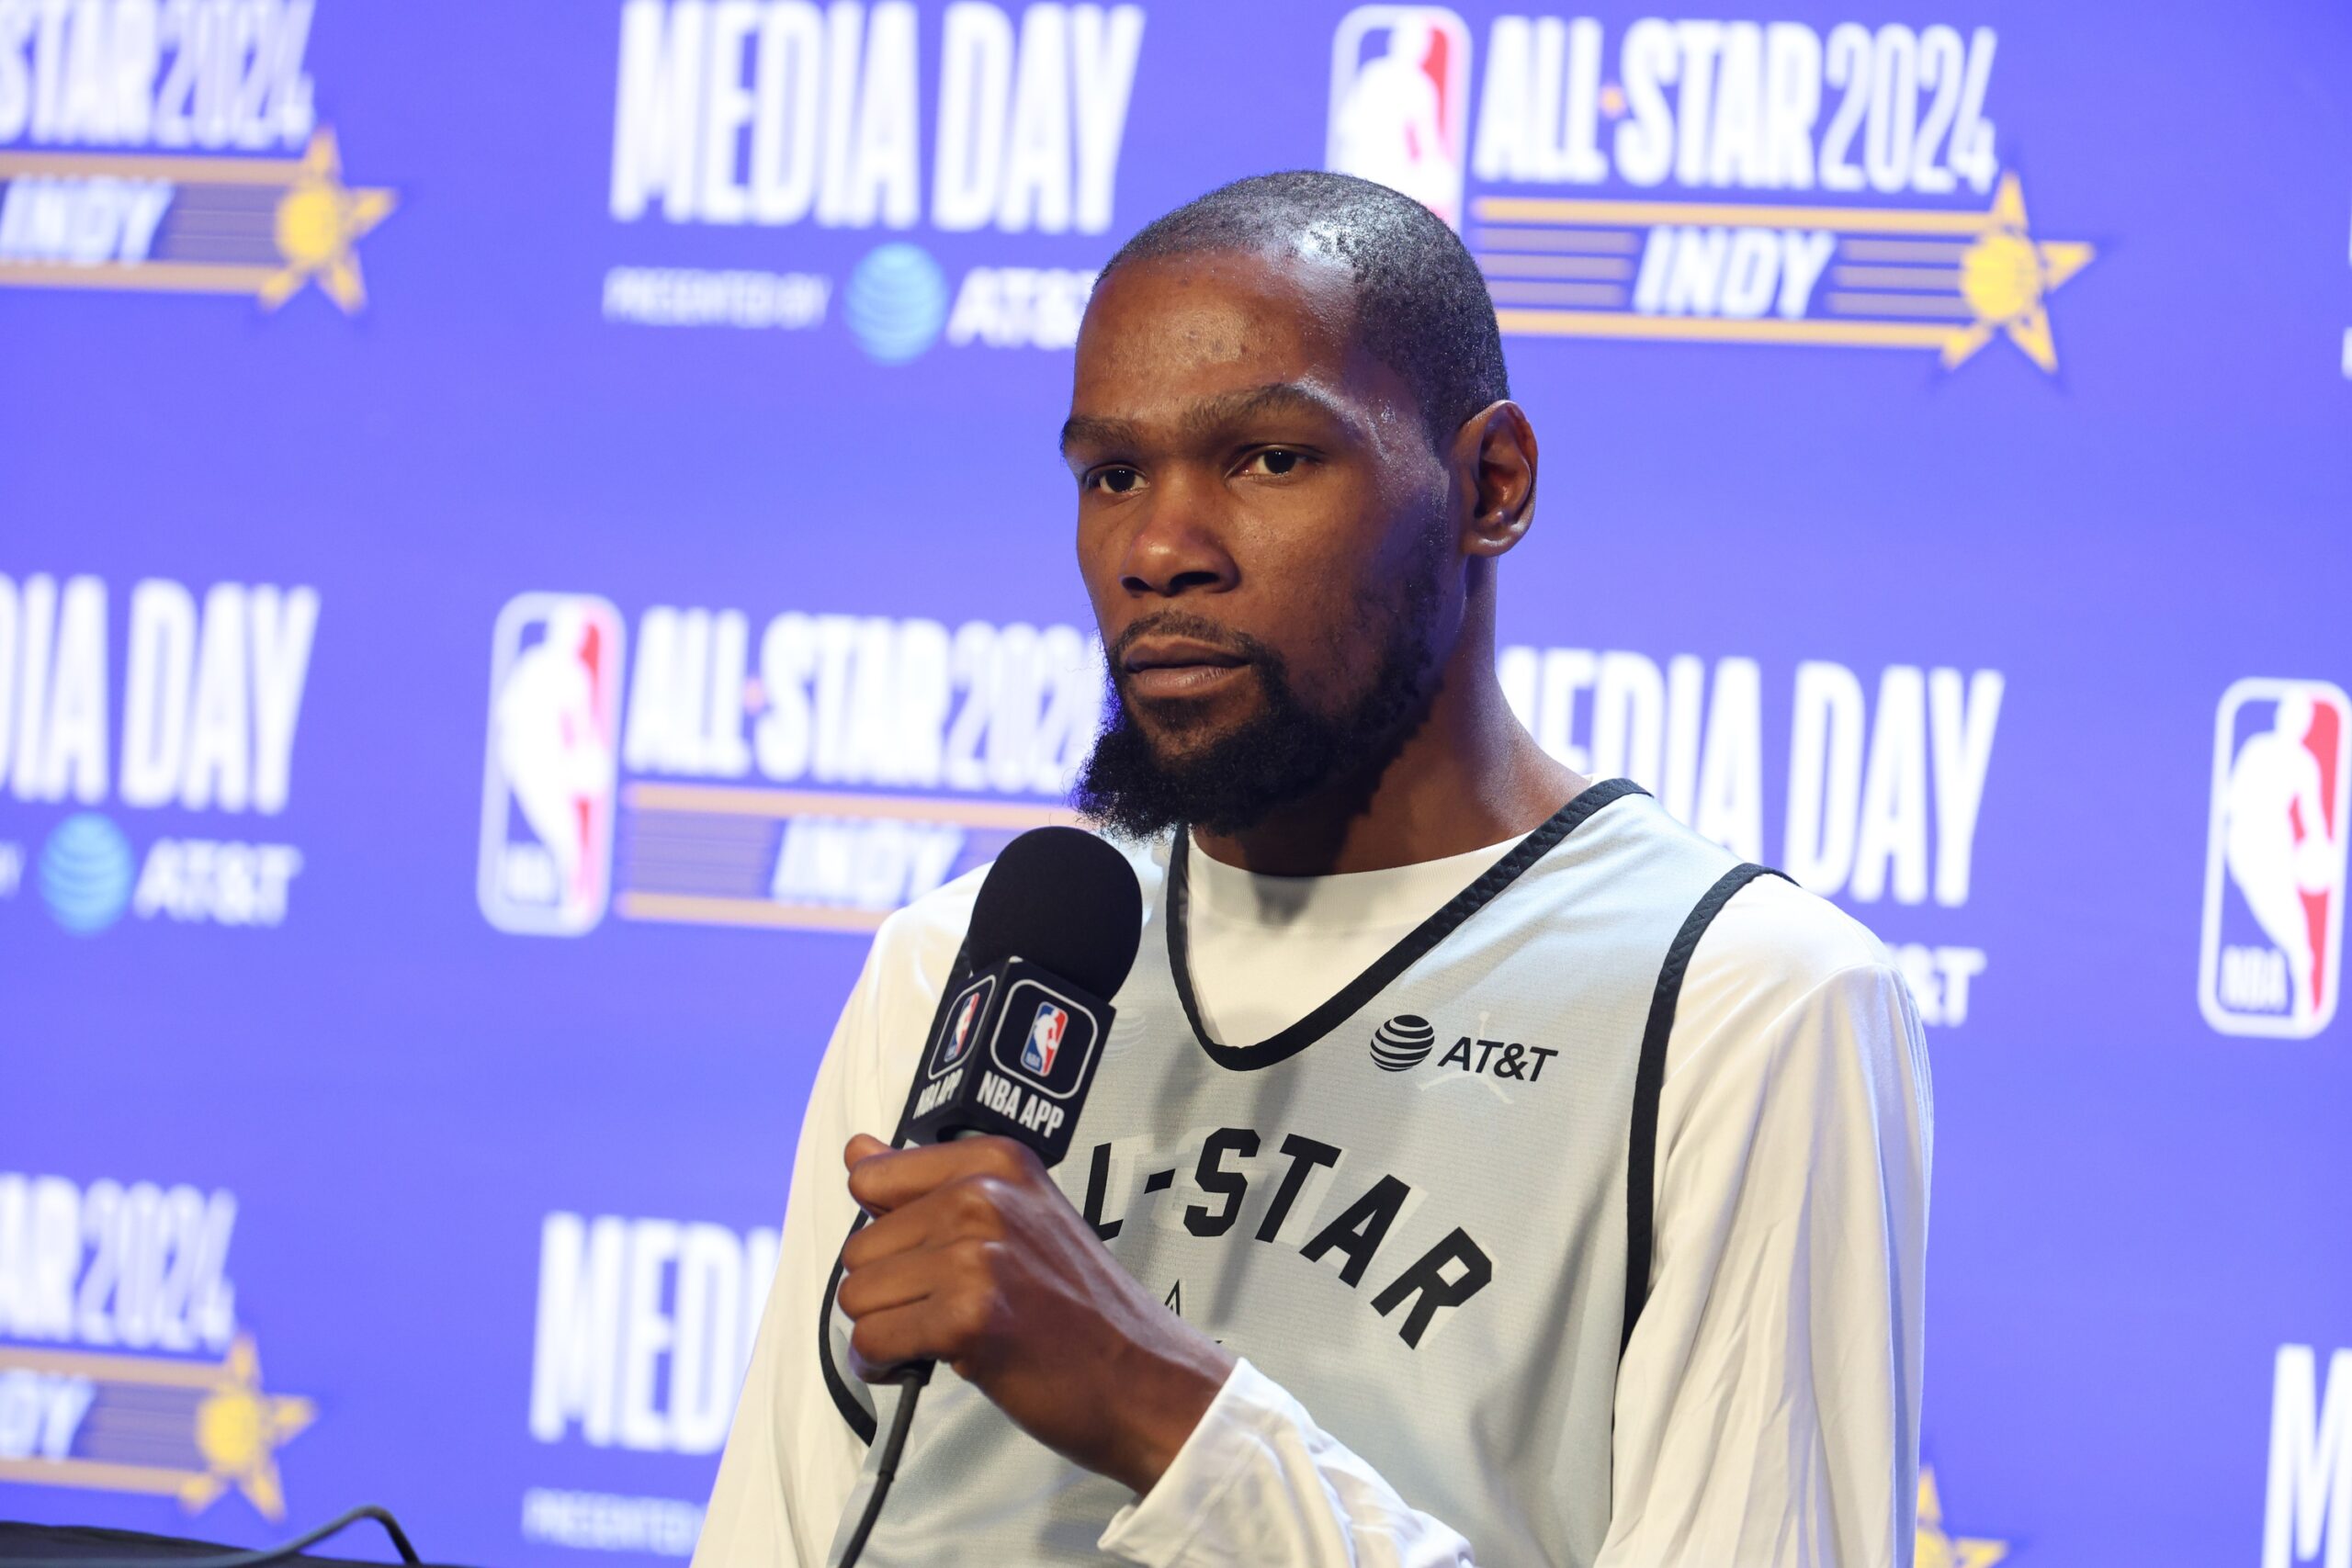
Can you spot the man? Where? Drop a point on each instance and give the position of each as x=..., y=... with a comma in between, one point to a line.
x=1483, y=1167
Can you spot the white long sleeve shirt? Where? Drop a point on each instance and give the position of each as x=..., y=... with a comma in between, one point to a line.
x=1767, y=1404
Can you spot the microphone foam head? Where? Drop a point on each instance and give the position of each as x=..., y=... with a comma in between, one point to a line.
x=1066, y=901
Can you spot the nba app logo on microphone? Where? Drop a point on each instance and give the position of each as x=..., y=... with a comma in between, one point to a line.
x=1400, y=102
x=549, y=777
x=2272, y=957
x=1045, y=1039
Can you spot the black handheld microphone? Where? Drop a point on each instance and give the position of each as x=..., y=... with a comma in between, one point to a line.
x=1054, y=932
x=1015, y=1044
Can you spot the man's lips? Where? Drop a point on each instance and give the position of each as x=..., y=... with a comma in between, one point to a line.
x=1178, y=667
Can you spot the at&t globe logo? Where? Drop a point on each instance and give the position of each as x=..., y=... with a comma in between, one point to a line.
x=896, y=302
x=1403, y=1041
x=85, y=873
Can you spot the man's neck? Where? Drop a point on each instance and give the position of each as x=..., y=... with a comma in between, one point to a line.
x=1468, y=776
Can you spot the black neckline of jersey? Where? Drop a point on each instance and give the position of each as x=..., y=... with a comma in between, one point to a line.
x=1352, y=996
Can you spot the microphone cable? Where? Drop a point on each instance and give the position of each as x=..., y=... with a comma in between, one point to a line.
x=1056, y=902
x=282, y=1553
x=911, y=1377
x=910, y=1381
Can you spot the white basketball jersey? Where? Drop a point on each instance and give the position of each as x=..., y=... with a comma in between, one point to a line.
x=1424, y=1209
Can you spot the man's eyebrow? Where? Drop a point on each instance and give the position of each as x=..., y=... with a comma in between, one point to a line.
x=1274, y=397
x=1210, y=414
x=1097, y=430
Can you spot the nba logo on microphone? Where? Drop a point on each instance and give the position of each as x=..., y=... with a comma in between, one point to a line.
x=1400, y=102
x=961, y=1040
x=1045, y=1039
x=549, y=776
x=2272, y=958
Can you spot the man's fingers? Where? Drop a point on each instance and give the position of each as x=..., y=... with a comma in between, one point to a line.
x=930, y=1329
x=878, y=1287
x=880, y=1345
x=884, y=1178
x=905, y=1277
x=965, y=1209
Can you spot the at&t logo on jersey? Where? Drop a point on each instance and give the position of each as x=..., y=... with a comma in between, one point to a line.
x=1403, y=1041
x=2275, y=859
x=547, y=786
x=1045, y=1039
x=1400, y=102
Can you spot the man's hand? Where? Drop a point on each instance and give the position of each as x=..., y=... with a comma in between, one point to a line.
x=975, y=1258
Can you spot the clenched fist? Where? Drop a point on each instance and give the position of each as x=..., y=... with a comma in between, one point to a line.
x=974, y=1258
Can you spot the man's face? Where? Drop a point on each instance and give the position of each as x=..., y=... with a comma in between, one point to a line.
x=1264, y=528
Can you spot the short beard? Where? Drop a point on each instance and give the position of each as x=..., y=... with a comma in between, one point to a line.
x=1283, y=754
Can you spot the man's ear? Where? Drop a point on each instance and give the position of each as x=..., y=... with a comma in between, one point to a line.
x=1494, y=454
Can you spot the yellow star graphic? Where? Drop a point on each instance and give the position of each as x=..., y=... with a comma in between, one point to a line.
x=239, y=1430
x=2007, y=275
x=1936, y=1550
x=318, y=217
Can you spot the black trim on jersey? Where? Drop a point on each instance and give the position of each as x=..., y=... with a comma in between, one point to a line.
x=1650, y=1078
x=861, y=1420
x=1395, y=962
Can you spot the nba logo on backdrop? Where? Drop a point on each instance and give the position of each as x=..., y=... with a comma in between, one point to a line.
x=1400, y=102
x=2275, y=857
x=548, y=782
x=1045, y=1039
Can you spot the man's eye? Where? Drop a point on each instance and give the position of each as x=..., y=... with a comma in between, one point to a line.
x=1117, y=482
x=1275, y=461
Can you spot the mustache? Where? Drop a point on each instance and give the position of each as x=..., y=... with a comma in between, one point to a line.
x=1182, y=623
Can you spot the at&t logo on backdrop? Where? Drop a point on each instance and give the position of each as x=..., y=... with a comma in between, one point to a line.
x=188, y=710
x=2273, y=945
x=992, y=131
x=896, y=302
x=86, y=868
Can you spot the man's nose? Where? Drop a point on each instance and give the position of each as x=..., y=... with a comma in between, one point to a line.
x=1179, y=547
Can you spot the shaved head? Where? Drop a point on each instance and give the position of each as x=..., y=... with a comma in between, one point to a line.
x=1421, y=306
